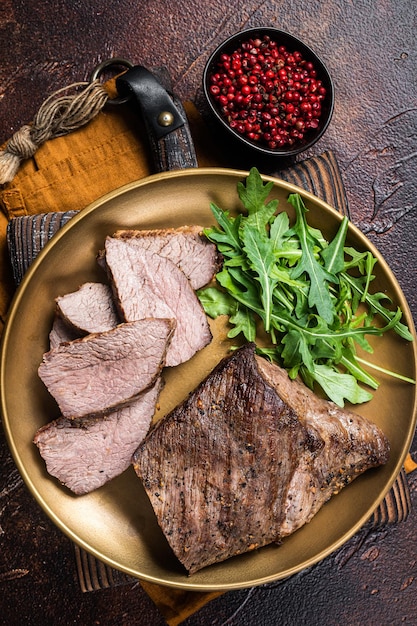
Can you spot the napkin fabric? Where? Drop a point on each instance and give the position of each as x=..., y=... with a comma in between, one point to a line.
x=69, y=172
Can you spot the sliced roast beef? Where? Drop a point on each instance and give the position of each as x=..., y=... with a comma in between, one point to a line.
x=97, y=373
x=185, y=246
x=146, y=284
x=237, y=454
x=61, y=332
x=85, y=454
x=90, y=309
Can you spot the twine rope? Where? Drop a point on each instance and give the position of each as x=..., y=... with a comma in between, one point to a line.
x=58, y=115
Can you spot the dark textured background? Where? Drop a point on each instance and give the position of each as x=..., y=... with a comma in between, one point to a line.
x=370, y=49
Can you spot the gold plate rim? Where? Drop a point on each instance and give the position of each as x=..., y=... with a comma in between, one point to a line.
x=204, y=582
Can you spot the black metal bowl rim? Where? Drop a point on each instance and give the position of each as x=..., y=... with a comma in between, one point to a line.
x=306, y=51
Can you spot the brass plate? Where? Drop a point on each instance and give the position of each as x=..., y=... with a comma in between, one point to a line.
x=116, y=522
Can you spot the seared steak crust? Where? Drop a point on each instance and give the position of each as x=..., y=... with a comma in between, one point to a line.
x=97, y=373
x=247, y=459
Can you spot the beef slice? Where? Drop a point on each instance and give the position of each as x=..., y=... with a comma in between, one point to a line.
x=185, y=246
x=90, y=309
x=85, y=454
x=102, y=371
x=146, y=284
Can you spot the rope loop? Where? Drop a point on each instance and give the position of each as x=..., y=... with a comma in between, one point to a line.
x=58, y=115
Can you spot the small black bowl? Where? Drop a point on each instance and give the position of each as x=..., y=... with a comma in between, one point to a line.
x=292, y=44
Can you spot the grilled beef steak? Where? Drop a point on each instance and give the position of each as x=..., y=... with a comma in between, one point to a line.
x=149, y=285
x=90, y=309
x=102, y=371
x=185, y=246
x=227, y=471
x=84, y=454
x=346, y=445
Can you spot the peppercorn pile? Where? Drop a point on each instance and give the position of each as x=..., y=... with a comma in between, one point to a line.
x=269, y=95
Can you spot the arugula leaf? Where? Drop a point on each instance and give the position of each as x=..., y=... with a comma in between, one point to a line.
x=375, y=303
x=244, y=322
x=242, y=287
x=279, y=228
x=253, y=195
x=216, y=302
x=333, y=255
x=319, y=294
x=351, y=363
x=300, y=288
x=227, y=237
x=339, y=386
x=296, y=351
x=260, y=253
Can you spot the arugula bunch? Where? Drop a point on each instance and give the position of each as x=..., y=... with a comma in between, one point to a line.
x=310, y=296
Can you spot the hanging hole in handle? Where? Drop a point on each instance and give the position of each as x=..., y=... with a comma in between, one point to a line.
x=111, y=63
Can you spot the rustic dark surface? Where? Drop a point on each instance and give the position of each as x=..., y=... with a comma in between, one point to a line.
x=370, y=50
